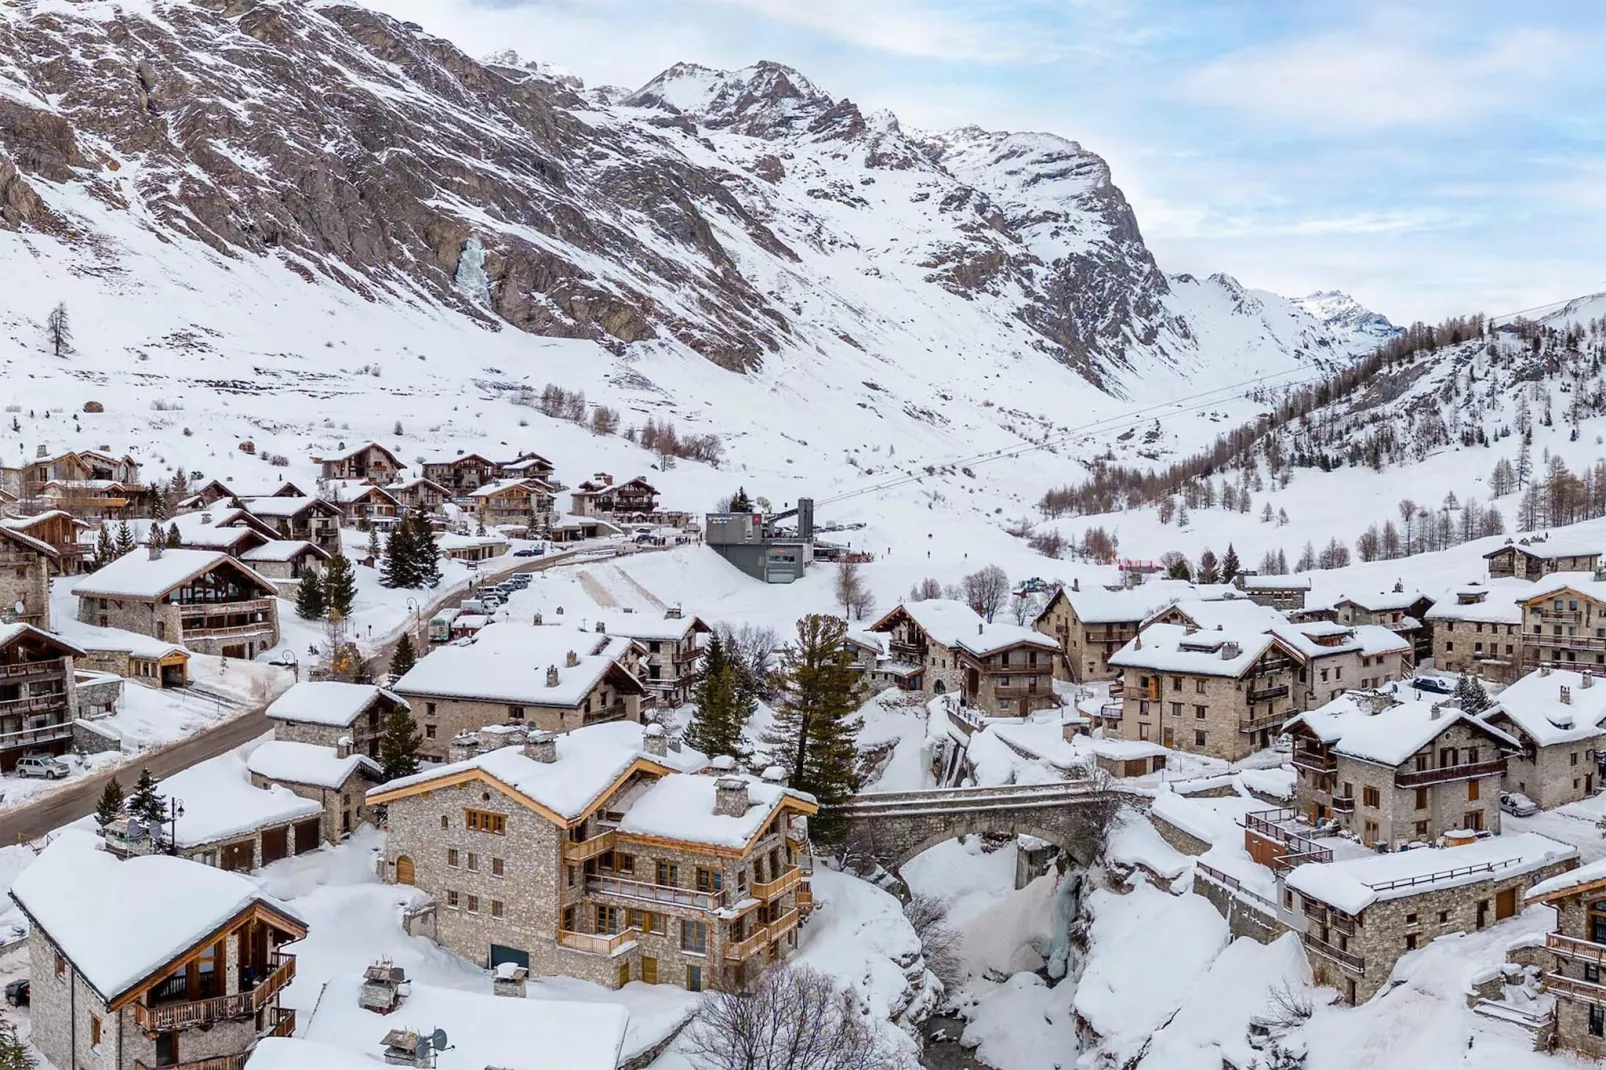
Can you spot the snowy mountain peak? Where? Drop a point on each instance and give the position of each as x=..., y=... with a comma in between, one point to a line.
x=507, y=57
x=1345, y=315
x=767, y=100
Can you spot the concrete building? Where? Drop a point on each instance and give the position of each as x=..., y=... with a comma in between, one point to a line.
x=1559, y=719
x=1396, y=772
x=1477, y=628
x=150, y=961
x=998, y=669
x=544, y=677
x=202, y=599
x=756, y=544
x=1359, y=916
x=325, y=712
x=37, y=700
x=602, y=854
x=1536, y=558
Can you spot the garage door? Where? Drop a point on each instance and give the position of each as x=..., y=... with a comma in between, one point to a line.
x=308, y=835
x=275, y=845
x=1505, y=903
x=500, y=954
x=239, y=856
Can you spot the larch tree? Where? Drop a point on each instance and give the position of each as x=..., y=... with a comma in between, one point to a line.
x=1209, y=568
x=339, y=586
x=817, y=720
x=58, y=330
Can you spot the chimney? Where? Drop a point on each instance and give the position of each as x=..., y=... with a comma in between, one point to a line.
x=1544, y=670
x=1076, y=584
x=1566, y=695
x=730, y=796
x=654, y=742
x=464, y=745
x=980, y=627
x=602, y=627
x=1588, y=680
x=154, y=547
x=672, y=613
x=1229, y=650
x=572, y=659
x=541, y=746
x=206, y=517
x=39, y=451
x=722, y=763
x=775, y=775
x=343, y=747
x=552, y=676
x=537, y=619
x=1438, y=709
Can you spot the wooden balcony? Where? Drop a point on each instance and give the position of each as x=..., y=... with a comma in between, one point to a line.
x=284, y=1023
x=1268, y=720
x=1266, y=694
x=1343, y=804
x=1444, y=774
x=1570, y=947
x=655, y=893
x=245, y=605
x=29, y=737
x=779, y=886
x=784, y=924
x=596, y=943
x=1560, y=616
x=197, y=630
x=804, y=898
x=1110, y=711
x=216, y=1062
x=1565, y=642
x=581, y=850
x=746, y=948
x=1315, y=761
x=1338, y=955
x=1575, y=989
x=34, y=704
x=23, y=669
x=169, y=1016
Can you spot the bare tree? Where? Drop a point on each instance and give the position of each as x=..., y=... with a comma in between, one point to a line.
x=985, y=590
x=59, y=330
x=849, y=587
x=926, y=588
x=753, y=646
x=1095, y=814
x=604, y=421
x=791, y=1018
x=939, y=942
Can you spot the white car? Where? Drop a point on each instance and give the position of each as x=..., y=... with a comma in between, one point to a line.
x=41, y=765
x=1517, y=804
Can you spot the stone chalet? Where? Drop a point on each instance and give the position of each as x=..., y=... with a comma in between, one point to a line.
x=1091, y=625
x=1397, y=772
x=876, y=666
x=1534, y=559
x=523, y=503
x=325, y=712
x=37, y=685
x=370, y=462
x=1477, y=629
x=299, y=518
x=334, y=777
x=232, y=530
x=1278, y=592
x=528, y=465
x=1359, y=916
x=1576, y=953
x=673, y=650
x=285, y=562
x=25, y=568
x=539, y=676
x=360, y=502
x=1557, y=717
x=601, y=496
x=604, y=855
x=1564, y=622
x=419, y=494
x=1215, y=692
x=202, y=599
x=151, y=961
x=140, y=658
x=1398, y=610
x=1003, y=670
x=462, y=474
x=213, y=492
x=58, y=530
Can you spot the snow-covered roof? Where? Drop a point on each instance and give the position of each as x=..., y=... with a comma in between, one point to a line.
x=1382, y=601
x=1095, y=605
x=1388, y=737
x=307, y=763
x=571, y=522
x=502, y=486
x=485, y=1031
x=135, y=575
x=508, y=662
x=1584, y=583
x=363, y=448
x=1175, y=648
x=457, y=458
x=681, y=807
x=119, y=921
x=1377, y=640
x=416, y=481
x=955, y=624
x=1242, y=617
x=1534, y=704
x=287, y=506
x=1276, y=583
x=208, y=529
x=22, y=538
x=1566, y=882
x=1499, y=602
x=329, y=702
x=10, y=633
x=1355, y=884
x=342, y=491
x=453, y=541
x=283, y=550
x=647, y=625
x=1551, y=547
x=220, y=803
x=590, y=759
x=1121, y=750
x=116, y=640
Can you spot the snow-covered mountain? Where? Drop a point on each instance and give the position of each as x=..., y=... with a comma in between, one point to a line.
x=1341, y=313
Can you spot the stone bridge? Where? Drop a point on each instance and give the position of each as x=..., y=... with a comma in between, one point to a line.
x=896, y=826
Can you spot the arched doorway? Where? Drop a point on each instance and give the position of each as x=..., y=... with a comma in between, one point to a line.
x=404, y=869
x=938, y=687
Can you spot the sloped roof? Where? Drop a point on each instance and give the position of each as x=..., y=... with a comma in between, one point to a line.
x=329, y=702
x=135, y=575
x=1390, y=736
x=1534, y=705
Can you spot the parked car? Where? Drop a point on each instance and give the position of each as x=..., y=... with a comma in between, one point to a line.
x=1429, y=683
x=42, y=765
x=18, y=992
x=1517, y=804
x=528, y=551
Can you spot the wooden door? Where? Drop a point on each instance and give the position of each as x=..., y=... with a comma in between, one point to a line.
x=308, y=835
x=1483, y=913
x=624, y=973
x=404, y=870
x=649, y=970
x=275, y=844
x=1505, y=903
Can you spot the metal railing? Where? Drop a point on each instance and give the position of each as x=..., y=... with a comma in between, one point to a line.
x=596, y=943
x=1232, y=883
x=655, y=893
x=1265, y=693
x=169, y=1016
x=1338, y=955
x=1303, y=849
x=1416, y=778
x=1267, y=720
x=1111, y=711
x=1443, y=874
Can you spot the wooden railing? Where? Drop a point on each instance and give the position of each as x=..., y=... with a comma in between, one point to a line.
x=656, y=893
x=1344, y=804
x=216, y=1062
x=1111, y=711
x=169, y=1016
x=284, y=1024
x=193, y=630
x=1574, y=988
x=747, y=946
x=1443, y=874
x=35, y=703
x=1573, y=948
x=596, y=943
x=783, y=925
x=1315, y=761
x=804, y=898
x=1416, y=778
x=580, y=850
x=779, y=886
x=1338, y=955
x=49, y=666
x=1265, y=720
x=28, y=736
x=1263, y=694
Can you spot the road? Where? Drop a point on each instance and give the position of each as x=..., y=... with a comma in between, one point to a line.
x=78, y=799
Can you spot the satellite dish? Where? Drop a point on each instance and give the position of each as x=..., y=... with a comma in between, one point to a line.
x=437, y=1040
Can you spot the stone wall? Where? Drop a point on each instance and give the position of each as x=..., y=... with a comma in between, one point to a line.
x=1556, y=775
x=1243, y=920
x=1225, y=707
x=342, y=805
x=1483, y=648
x=442, y=719
x=32, y=588
x=90, y=738
x=96, y=696
x=1183, y=841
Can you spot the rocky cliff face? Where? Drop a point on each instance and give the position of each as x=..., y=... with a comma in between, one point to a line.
x=730, y=213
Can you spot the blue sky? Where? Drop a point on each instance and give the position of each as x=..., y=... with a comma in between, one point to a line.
x=1429, y=157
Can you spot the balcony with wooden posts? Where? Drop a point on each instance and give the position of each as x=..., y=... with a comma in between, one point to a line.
x=768, y=890
x=26, y=670
x=216, y=1062
x=596, y=943
x=1571, y=947
x=1335, y=954
x=1313, y=760
x=599, y=884
x=35, y=736
x=1343, y=804
x=804, y=898
x=783, y=925
x=1265, y=720
x=164, y=1017
x=51, y=702
x=748, y=946
x=1576, y=989
x=1267, y=693
x=583, y=850
x=1444, y=774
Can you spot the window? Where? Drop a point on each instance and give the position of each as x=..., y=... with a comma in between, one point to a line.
x=1199, y=713
x=1370, y=797
x=709, y=880
x=496, y=908
x=667, y=874
x=694, y=937
x=446, y=822
x=1143, y=731
x=1176, y=683
x=1597, y=1021
x=496, y=868
x=610, y=919
x=473, y=861
x=1143, y=706
x=1444, y=916
x=1176, y=709
x=61, y=967
x=694, y=980
x=429, y=709
x=94, y=1031
x=1199, y=687
x=1421, y=830
x=1472, y=790
x=1410, y=919
x=451, y=898
x=1574, y=757
x=451, y=856
x=515, y=713
x=429, y=731
x=1410, y=941
x=485, y=821
x=624, y=863
x=1421, y=798
x=1198, y=739
x=473, y=904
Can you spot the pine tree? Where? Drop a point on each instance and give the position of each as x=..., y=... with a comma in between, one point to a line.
x=398, y=747
x=1209, y=569
x=125, y=539
x=110, y=806
x=145, y=802
x=105, y=550
x=174, y=539
x=724, y=704
x=400, y=569
x=816, y=721
x=309, y=596
x=740, y=502
x=1471, y=696
x=339, y=586
x=426, y=552
x=15, y=1054
x=1179, y=569
x=1307, y=559
x=1265, y=514
x=404, y=657
x=373, y=544
x=1230, y=566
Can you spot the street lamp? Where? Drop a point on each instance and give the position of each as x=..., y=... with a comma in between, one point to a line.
x=175, y=810
x=288, y=657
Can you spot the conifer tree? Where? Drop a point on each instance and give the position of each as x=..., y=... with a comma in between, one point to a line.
x=373, y=543
x=1471, y=696
x=817, y=720
x=14, y=1053
x=339, y=586
x=145, y=802
x=400, y=569
x=426, y=552
x=125, y=539
x=1230, y=566
x=110, y=806
x=174, y=539
x=724, y=704
x=404, y=657
x=1178, y=569
x=105, y=550
x=740, y=502
x=398, y=747
x=309, y=596
x=1209, y=569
